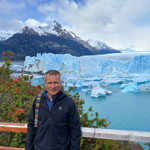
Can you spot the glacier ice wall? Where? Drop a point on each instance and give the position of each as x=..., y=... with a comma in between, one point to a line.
x=100, y=70
x=88, y=66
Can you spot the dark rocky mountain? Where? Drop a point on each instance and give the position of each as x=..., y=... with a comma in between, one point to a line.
x=50, y=39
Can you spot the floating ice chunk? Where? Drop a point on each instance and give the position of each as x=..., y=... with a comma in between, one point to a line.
x=108, y=92
x=130, y=87
x=97, y=91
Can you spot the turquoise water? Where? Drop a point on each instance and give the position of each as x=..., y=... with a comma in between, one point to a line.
x=126, y=111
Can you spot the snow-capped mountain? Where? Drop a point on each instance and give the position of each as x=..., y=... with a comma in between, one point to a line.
x=51, y=39
x=41, y=30
x=98, y=44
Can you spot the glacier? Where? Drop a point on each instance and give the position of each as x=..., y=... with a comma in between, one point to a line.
x=131, y=70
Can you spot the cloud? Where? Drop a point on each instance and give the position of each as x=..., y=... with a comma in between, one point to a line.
x=16, y=14
x=9, y=9
x=34, y=23
x=10, y=26
x=119, y=23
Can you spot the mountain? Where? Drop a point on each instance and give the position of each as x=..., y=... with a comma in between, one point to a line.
x=49, y=39
x=101, y=48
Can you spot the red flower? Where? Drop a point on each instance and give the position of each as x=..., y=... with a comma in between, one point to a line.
x=14, y=81
x=89, y=140
x=16, y=91
x=29, y=91
x=18, y=78
x=8, y=84
x=18, y=111
x=4, y=53
x=101, y=141
x=38, y=86
x=13, y=54
x=106, y=125
x=32, y=76
x=13, y=115
x=43, y=89
x=22, y=110
x=29, y=83
x=9, y=113
x=88, y=125
x=16, y=118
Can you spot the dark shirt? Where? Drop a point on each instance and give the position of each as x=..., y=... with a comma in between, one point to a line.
x=49, y=102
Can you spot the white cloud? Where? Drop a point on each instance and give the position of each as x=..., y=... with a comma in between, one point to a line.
x=34, y=23
x=116, y=22
x=10, y=26
x=10, y=9
x=119, y=23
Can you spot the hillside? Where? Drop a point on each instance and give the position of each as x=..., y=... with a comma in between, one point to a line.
x=50, y=39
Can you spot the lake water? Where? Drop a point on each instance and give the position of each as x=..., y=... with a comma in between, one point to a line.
x=126, y=111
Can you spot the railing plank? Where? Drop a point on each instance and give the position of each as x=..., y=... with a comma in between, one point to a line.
x=10, y=148
x=124, y=135
x=13, y=127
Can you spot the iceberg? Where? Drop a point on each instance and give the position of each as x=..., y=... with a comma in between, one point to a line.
x=130, y=87
x=136, y=86
x=97, y=91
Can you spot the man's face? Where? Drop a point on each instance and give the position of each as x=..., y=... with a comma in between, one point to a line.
x=52, y=84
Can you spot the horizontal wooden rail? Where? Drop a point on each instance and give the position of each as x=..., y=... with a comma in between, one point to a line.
x=123, y=135
x=13, y=127
x=10, y=148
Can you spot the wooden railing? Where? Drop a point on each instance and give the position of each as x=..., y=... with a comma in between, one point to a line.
x=124, y=135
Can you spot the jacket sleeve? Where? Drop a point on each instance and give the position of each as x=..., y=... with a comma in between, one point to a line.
x=31, y=132
x=75, y=127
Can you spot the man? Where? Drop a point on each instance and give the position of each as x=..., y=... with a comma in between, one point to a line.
x=58, y=120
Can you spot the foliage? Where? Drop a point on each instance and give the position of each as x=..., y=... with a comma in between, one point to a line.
x=16, y=98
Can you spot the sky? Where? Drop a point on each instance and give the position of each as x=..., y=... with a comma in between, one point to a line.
x=118, y=23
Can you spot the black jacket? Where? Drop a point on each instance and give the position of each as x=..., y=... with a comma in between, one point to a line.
x=57, y=130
